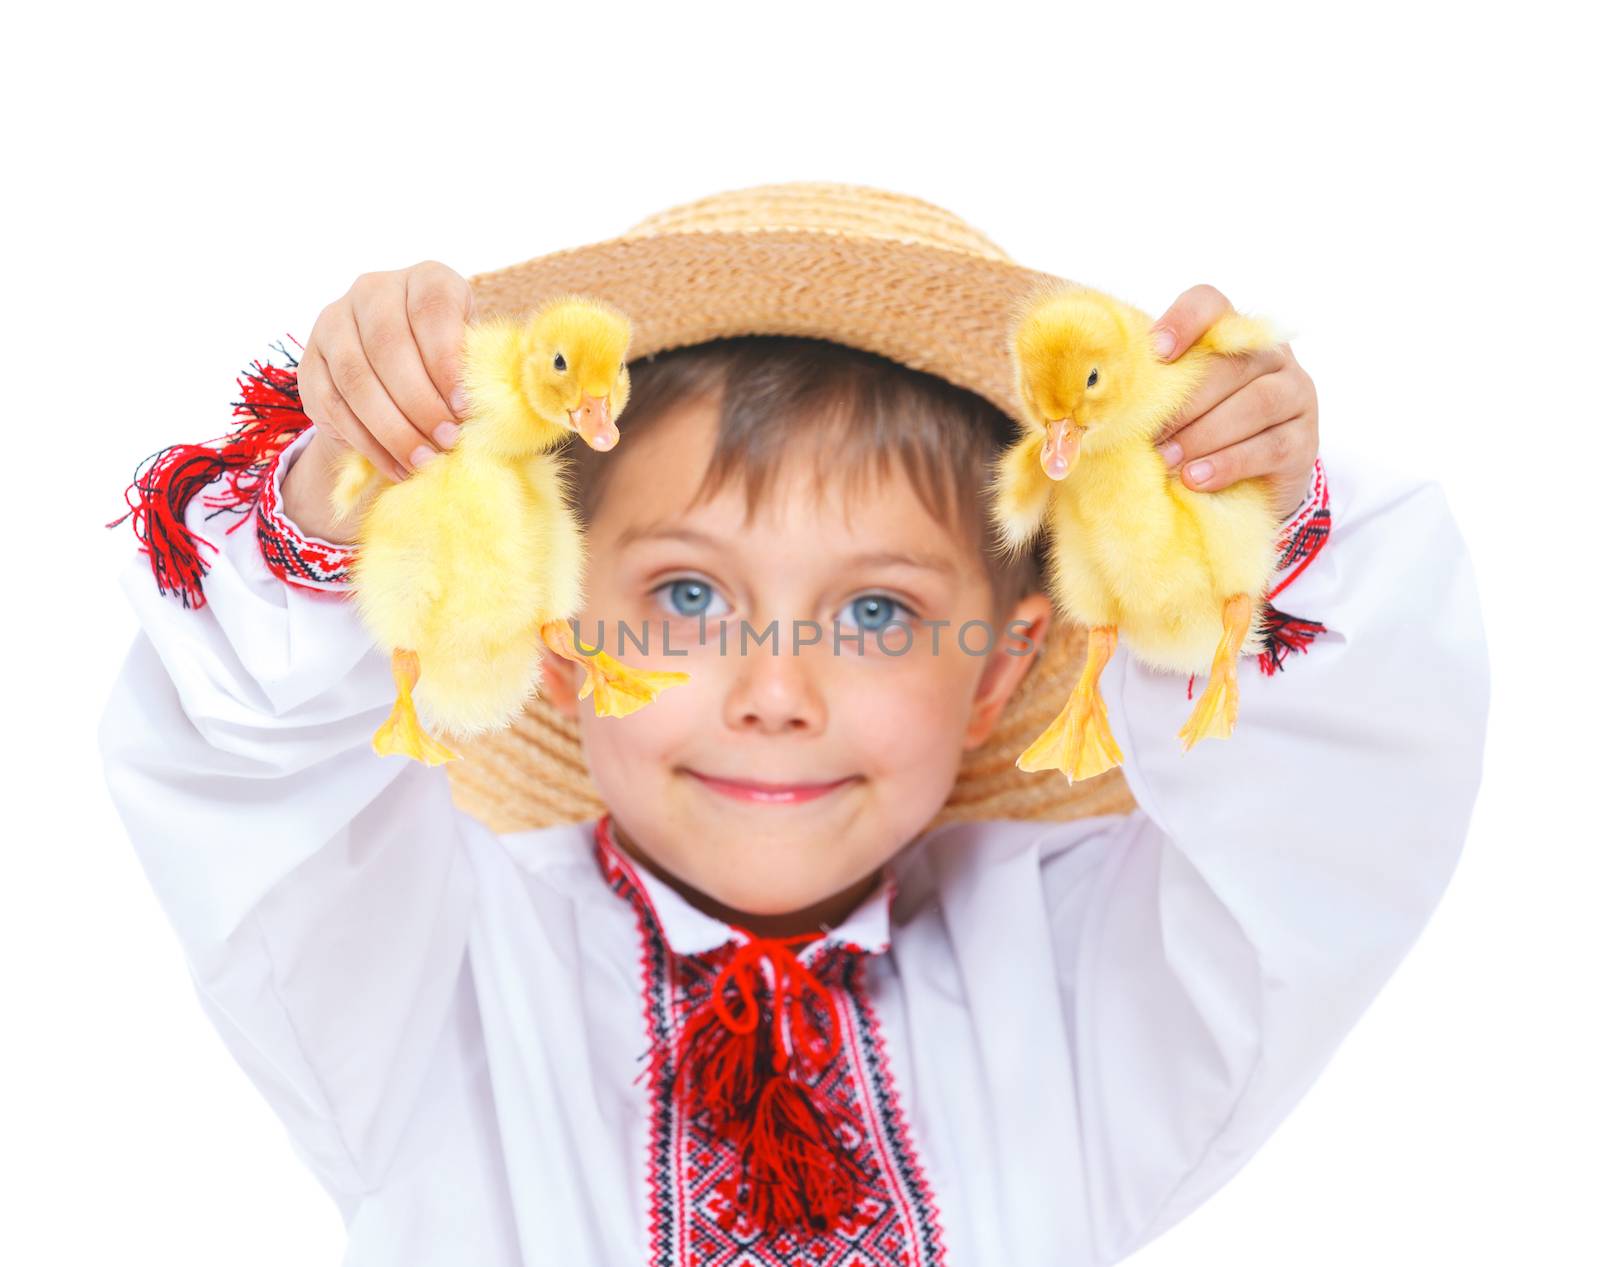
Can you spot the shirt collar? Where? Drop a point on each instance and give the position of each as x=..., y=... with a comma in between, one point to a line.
x=688, y=930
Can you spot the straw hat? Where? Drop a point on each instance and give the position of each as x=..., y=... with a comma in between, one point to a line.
x=875, y=270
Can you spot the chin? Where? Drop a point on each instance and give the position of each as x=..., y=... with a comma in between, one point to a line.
x=769, y=905
x=769, y=890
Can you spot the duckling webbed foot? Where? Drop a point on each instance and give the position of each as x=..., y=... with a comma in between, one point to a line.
x=402, y=734
x=618, y=689
x=1217, y=709
x=1079, y=741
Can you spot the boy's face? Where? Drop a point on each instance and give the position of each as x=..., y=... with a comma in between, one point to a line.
x=874, y=739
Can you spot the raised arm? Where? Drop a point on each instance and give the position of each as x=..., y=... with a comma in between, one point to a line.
x=1270, y=883
x=320, y=892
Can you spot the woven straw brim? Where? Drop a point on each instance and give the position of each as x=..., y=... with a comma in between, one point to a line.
x=941, y=303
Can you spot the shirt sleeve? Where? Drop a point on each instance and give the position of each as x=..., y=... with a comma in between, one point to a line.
x=1270, y=883
x=320, y=892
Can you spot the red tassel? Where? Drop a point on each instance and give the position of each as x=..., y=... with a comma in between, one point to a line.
x=269, y=418
x=1285, y=634
x=795, y=1171
x=739, y=1070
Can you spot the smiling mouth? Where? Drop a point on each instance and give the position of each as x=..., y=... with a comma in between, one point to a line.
x=753, y=792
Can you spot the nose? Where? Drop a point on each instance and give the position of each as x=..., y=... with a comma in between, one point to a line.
x=775, y=694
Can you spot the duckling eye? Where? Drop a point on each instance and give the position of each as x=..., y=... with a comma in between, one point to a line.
x=1094, y=376
x=561, y=363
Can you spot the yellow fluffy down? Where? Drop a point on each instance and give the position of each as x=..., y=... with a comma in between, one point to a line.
x=461, y=563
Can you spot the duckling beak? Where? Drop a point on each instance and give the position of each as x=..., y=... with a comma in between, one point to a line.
x=592, y=420
x=1060, y=452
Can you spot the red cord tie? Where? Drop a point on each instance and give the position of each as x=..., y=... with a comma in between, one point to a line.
x=743, y=971
x=750, y=1082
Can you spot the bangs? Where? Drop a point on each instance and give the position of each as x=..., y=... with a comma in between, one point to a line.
x=856, y=422
x=857, y=416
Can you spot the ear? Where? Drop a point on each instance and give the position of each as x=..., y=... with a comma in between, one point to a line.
x=1007, y=665
x=560, y=683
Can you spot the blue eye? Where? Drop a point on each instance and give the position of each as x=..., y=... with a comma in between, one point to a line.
x=688, y=597
x=875, y=611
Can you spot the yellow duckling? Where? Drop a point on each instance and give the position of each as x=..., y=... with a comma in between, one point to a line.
x=1181, y=574
x=469, y=568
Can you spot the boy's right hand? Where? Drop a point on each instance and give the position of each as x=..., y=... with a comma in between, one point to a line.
x=380, y=374
x=383, y=363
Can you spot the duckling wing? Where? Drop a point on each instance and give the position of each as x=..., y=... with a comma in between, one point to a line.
x=354, y=476
x=1235, y=332
x=1020, y=492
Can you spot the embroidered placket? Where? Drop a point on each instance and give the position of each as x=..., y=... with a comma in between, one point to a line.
x=719, y=1197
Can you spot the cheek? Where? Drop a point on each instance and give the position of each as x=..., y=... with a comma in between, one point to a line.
x=631, y=757
x=625, y=753
x=907, y=719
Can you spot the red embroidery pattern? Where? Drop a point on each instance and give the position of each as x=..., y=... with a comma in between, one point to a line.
x=1299, y=542
x=694, y=1172
x=294, y=558
x=1305, y=531
x=751, y=1068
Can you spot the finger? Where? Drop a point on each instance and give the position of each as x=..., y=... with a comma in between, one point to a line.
x=1271, y=453
x=1261, y=403
x=391, y=349
x=1191, y=315
x=365, y=394
x=1224, y=377
x=439, y=304
x=327, y=408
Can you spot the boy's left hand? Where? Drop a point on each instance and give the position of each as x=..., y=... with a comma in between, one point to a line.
x=1253, y=415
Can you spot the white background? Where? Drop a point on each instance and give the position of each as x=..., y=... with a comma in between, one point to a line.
x=1406, y=188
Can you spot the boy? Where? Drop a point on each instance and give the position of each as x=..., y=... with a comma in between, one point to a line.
x=757, y=1011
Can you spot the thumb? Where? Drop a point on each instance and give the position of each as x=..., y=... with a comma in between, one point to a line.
x=1191, y=315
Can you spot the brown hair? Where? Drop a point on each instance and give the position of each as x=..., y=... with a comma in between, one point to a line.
x=861, y=410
